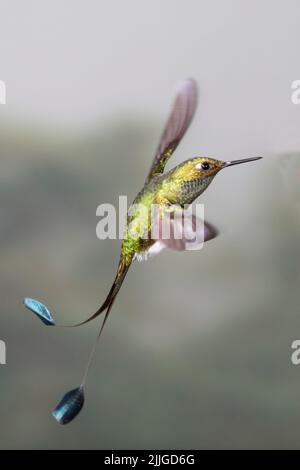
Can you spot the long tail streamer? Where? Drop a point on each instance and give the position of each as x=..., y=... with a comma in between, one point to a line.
x=72, y=402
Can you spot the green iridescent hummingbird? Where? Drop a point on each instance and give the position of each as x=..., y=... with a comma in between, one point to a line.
x=170, y=191
x=144, y=236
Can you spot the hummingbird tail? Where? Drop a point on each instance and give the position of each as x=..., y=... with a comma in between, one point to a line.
x=72, y=402
x=93, y=350
x=45, y=315
x=107, y=304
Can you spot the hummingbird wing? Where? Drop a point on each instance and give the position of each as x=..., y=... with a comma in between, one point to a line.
x=182, y=112
x=181, y=232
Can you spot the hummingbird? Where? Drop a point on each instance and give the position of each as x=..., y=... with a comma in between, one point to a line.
x=170, y=192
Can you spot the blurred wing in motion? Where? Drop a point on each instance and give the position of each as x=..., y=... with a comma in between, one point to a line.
x=182, y=113
x=182, y=231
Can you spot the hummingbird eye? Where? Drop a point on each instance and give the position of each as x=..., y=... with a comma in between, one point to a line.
x=205, y=166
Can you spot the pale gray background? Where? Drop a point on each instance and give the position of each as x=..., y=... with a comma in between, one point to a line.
x=196, y=353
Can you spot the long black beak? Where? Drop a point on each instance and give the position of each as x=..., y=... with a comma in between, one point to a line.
x=244, y=160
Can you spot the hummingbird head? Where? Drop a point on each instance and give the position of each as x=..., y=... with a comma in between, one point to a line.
x=205, y=167
x=197, y=173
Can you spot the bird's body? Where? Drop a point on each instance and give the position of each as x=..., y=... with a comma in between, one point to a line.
x=168, y=193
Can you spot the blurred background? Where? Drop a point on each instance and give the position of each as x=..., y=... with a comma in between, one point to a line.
x=196, y=353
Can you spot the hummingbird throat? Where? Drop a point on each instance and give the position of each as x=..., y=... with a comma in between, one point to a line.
x=191, y=189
